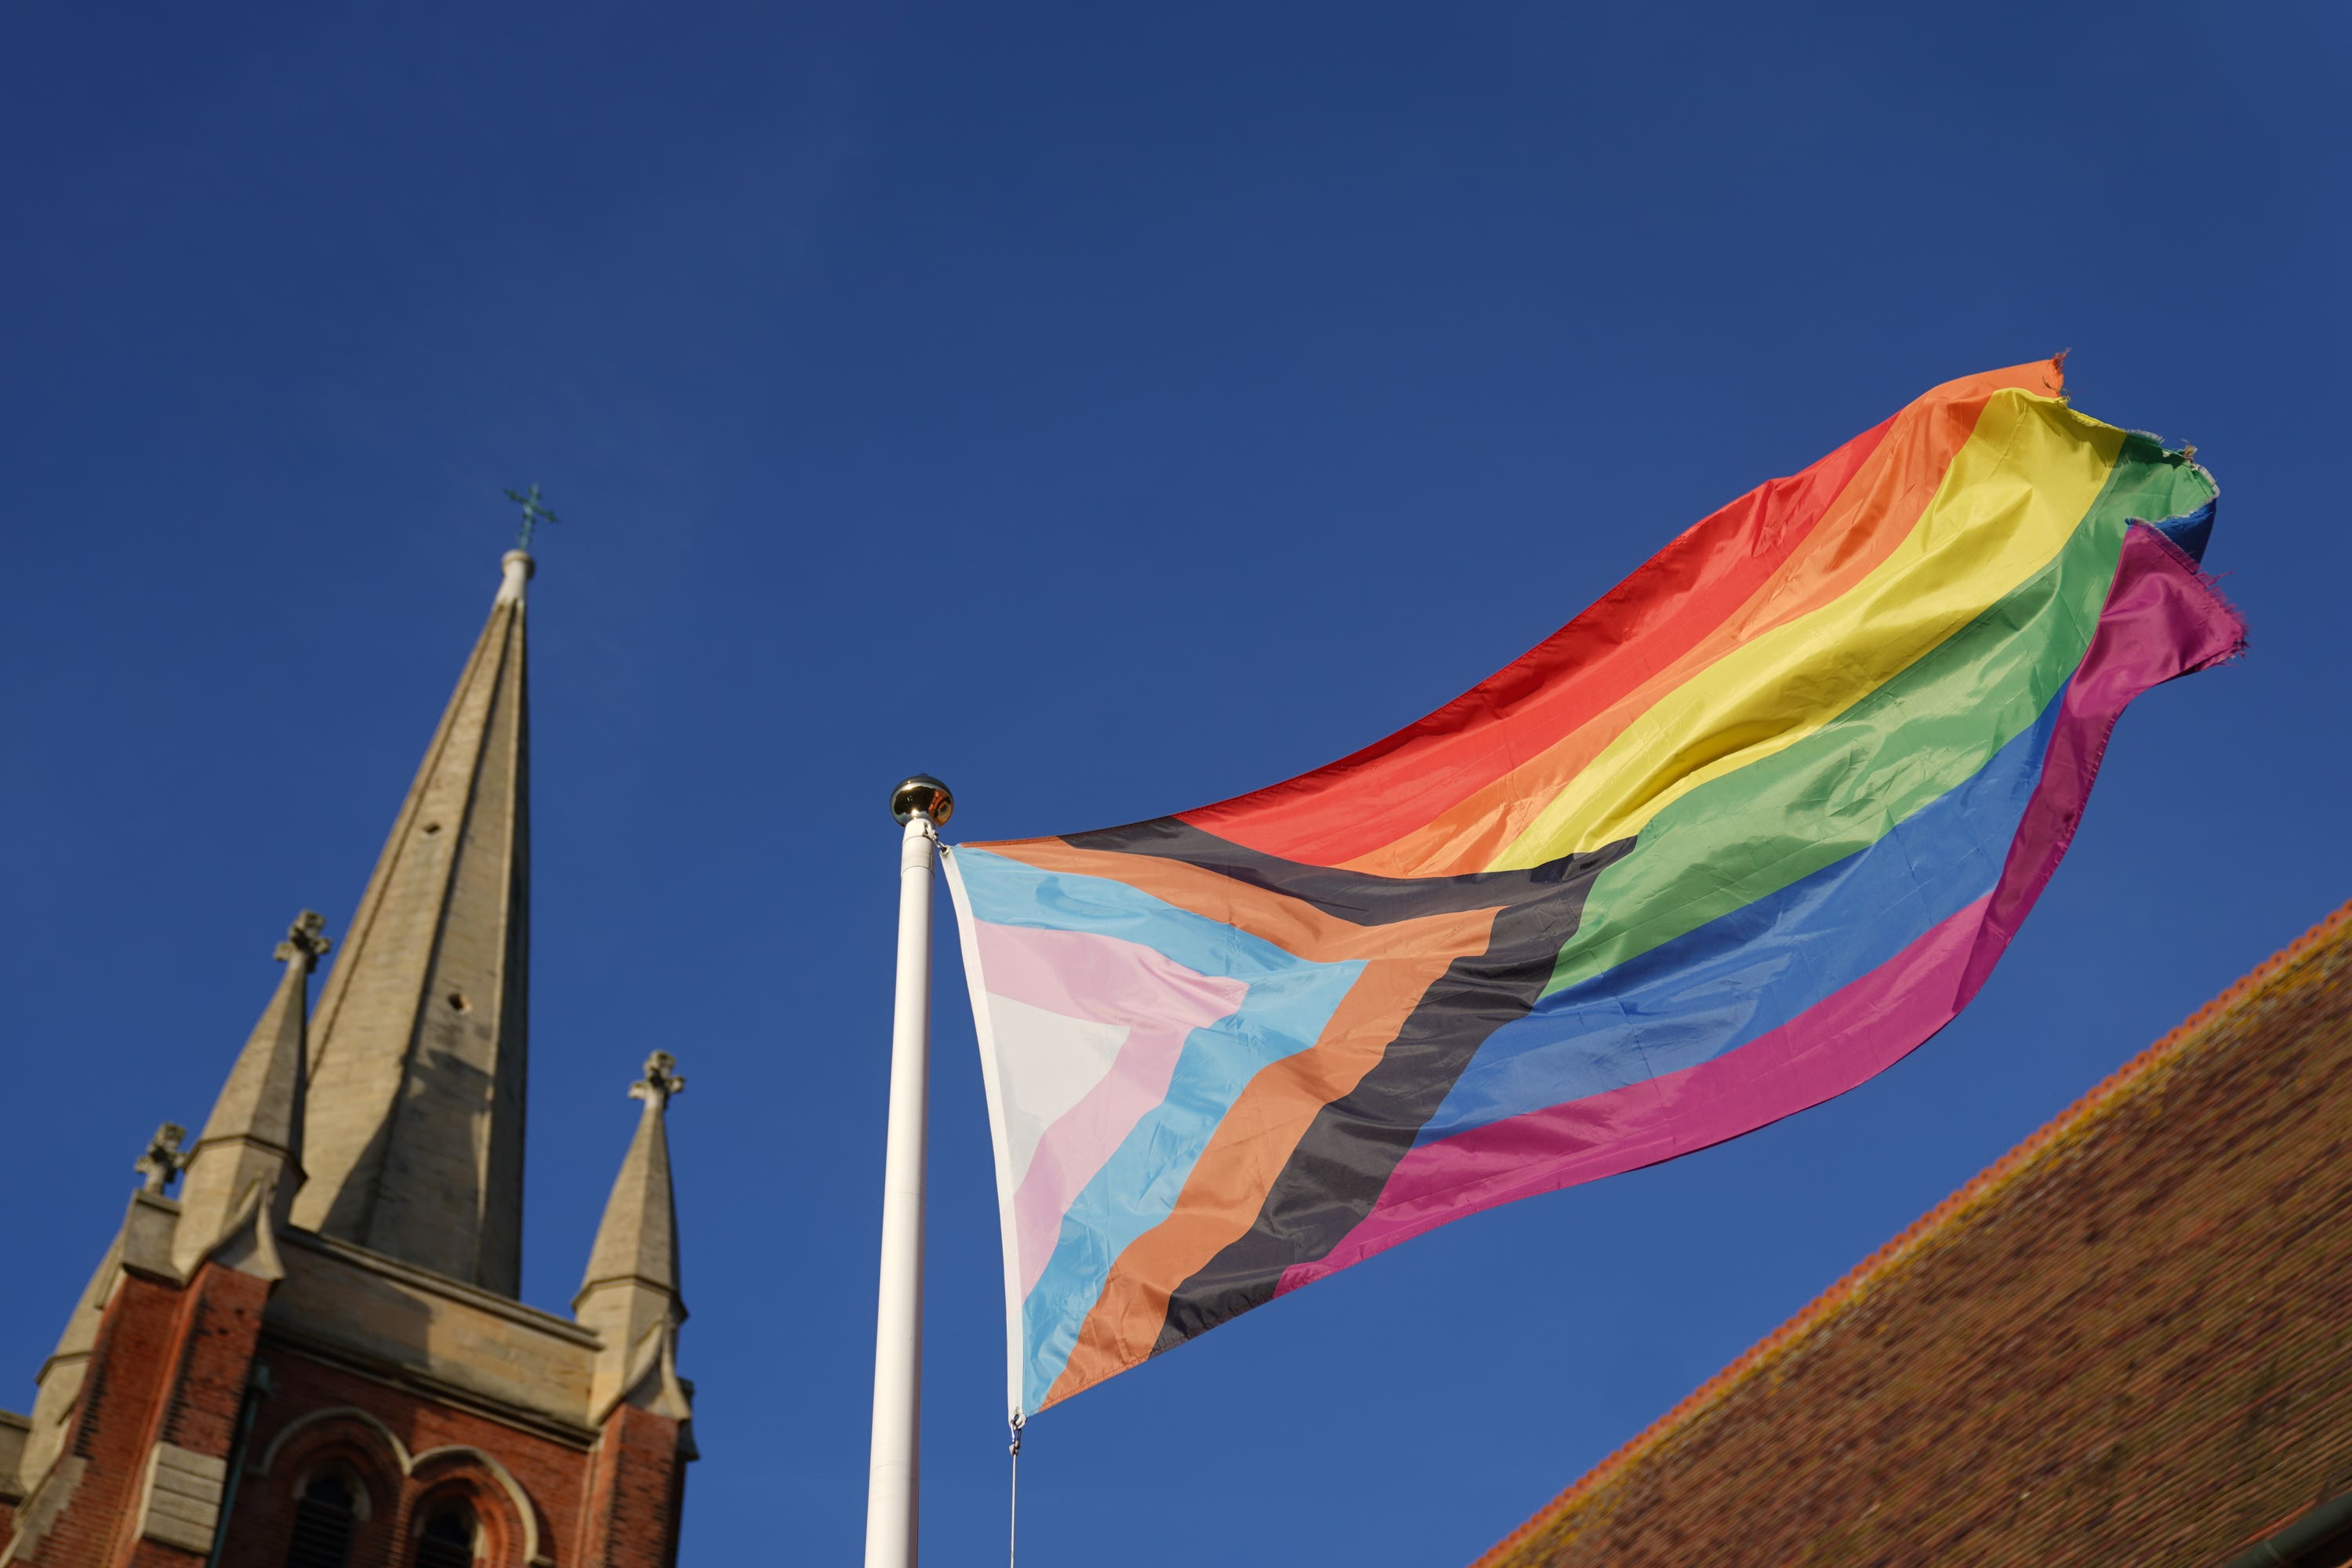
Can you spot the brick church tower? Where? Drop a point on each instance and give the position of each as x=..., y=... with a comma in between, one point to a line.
x=314, y=1356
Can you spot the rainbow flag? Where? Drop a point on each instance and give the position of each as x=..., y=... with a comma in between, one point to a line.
x=1741, y=835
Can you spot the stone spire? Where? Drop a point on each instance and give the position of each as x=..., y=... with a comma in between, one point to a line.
x=62, y=1375
x=248, y=1159
x=630, y=1294
x=415, y=1127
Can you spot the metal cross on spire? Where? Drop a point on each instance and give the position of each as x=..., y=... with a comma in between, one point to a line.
x=533, y=514
x=659, y=1083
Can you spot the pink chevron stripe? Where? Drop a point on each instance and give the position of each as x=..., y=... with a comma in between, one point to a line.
x=1104, y=980
x=2161, y=621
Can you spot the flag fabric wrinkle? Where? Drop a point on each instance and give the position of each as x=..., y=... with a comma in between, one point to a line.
x=1742, y=835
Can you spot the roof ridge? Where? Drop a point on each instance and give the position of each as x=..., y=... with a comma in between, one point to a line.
x=1928, y=1227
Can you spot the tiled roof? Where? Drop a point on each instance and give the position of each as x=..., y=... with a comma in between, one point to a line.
x=2129, y=1342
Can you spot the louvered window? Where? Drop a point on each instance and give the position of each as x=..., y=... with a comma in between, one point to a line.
x=447, y=1541
x=322, y=1524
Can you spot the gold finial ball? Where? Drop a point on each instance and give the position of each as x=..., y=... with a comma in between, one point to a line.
x=922, y=796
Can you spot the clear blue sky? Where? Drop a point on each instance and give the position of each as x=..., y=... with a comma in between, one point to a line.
x=1109, y=408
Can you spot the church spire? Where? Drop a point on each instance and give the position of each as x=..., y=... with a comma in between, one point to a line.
x=630, y=1293
x=414, y=1129
x=253, y=1142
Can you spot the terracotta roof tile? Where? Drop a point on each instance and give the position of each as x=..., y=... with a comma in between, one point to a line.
x=2127, y=1342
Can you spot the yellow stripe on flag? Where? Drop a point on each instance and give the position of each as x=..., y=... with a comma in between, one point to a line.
x=2011, y=498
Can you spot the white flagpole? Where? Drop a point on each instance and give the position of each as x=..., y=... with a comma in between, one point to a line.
x=921, y=803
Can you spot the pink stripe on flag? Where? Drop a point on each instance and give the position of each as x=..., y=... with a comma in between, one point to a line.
x=2161, y=620
x=1820, y=1053
x=1105, y=980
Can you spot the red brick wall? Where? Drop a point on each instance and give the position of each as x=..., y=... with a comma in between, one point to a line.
x=163, y=1354
x=556, y=1476
x=174, y=1363
x=549, y=1472
x=204, y=1393
x=217, y=1337
x=639, y=1495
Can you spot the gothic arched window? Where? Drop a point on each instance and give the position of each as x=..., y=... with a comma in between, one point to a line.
x=447, y=1539
x=323, y=1517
